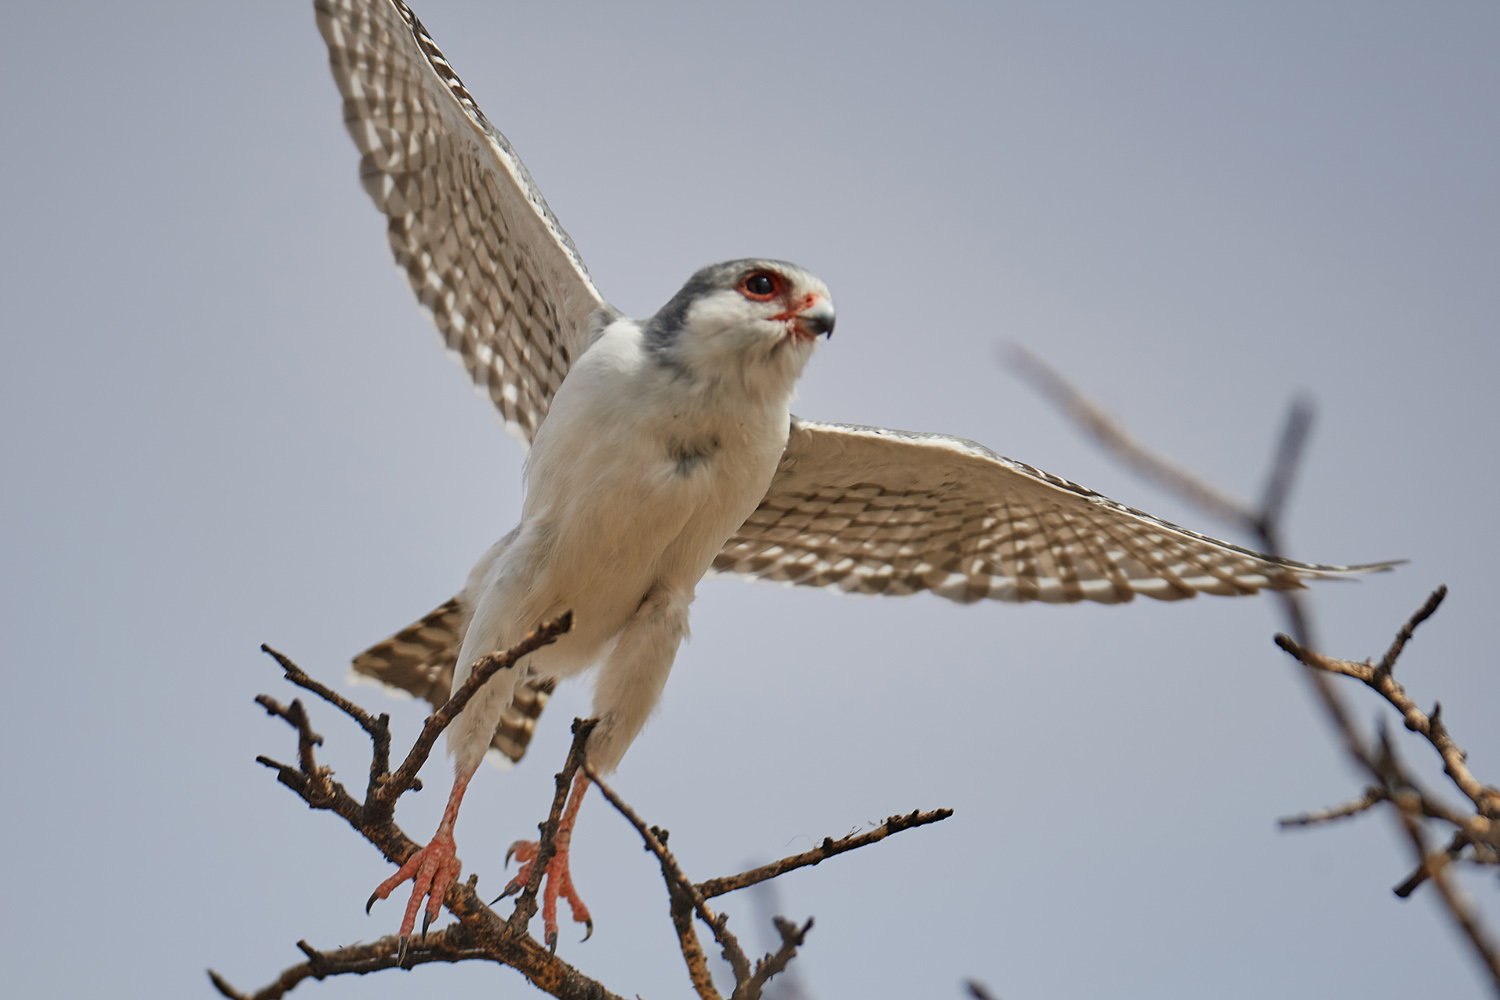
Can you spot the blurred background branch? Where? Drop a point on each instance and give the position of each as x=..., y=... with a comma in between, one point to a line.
x=1479, y=830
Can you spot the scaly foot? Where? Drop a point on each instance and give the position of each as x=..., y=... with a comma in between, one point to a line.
x=558, y=878
x=431, y=870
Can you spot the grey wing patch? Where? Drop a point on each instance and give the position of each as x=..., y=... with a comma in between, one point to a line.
x=873, y=511
x=483, y=253
x=419, y=661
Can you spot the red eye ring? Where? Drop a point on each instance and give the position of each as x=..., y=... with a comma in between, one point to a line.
x=761, y=286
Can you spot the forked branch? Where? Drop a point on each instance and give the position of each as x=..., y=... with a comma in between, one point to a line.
x=480, y=934
x=1478, y=831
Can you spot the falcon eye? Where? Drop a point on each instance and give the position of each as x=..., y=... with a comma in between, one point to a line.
x=760, y=285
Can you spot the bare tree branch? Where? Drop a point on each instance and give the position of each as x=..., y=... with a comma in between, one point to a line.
x=479, y=933
x=678, y=883
x=1378, y=677
x=443, y=945
x=1295, y=433
x=1372, y=797
x=827, y=849
x=978, y=990
x=792, y=937
x=547, y=841
x=688, y=898
x=377, y=727
x=1388, y=661
x=296, y=716
x=1482, y=830
x=1453, y=850
x=483, y=669
x=1410, y=806
x=1097, y=424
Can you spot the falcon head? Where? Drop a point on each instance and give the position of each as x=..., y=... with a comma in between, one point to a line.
x=752, y=321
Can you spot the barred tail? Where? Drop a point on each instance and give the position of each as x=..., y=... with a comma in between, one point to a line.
x=419, y=661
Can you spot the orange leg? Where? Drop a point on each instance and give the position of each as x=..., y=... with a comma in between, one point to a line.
x=431, y=870
x=558, y=877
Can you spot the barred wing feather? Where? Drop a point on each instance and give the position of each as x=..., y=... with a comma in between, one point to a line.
x=876, y=511
x=484, y=254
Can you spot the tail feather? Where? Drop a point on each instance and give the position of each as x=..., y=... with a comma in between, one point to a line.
x=419, y=661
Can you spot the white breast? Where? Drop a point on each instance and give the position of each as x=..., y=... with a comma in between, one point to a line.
x=637, y=476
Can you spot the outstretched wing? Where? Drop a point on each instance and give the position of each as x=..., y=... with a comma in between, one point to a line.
x=483, y=252
x=889, y=512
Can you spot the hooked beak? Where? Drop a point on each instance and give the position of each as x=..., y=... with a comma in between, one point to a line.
x=814, y=319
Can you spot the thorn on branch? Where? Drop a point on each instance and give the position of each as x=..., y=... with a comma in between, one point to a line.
x=314, y=957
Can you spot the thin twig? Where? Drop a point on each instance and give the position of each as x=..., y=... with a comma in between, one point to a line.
x=1388, y=661
x=1484, y=829
x=792, y=937
x=678, y=882
x=1453, y=850
x=547, y=830
x=485, y=933
x=484, y=668
x=377, y=726
x=359, y=959
x=299, y=677
x=1409, y=806
x=1486, y=800
x=1116, y=440
x=295, y=715
x=830, y=847
x=1372, y=797
x=1295, y=432
x=978, y=990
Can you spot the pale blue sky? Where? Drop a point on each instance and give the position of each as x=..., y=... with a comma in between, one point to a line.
x=227, y=422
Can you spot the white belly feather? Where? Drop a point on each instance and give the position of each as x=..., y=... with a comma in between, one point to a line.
x=635, y=480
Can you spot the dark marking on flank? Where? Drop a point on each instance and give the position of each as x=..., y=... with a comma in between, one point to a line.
x=689, y=456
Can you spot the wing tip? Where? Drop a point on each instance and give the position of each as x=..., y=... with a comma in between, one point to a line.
x=1316, y=571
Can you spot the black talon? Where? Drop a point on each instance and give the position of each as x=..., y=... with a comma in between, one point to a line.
x=510, y=890
x=552, y=942
x=427, y=919
x=402, y=942
x=590, y=924
x=373, y=896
